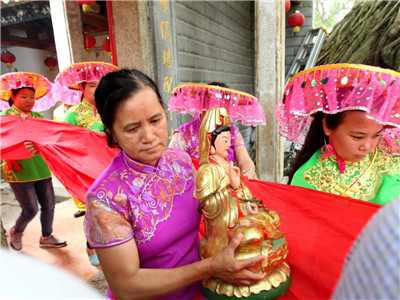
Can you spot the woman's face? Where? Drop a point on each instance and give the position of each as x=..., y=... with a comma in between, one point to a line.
x=89, y=90
x=355, y=137
x=222, y=144
x=24, y=99
x=140, y=127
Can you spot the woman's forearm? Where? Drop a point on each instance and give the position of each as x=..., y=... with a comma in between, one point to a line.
x=154, y=283
x=127, y=280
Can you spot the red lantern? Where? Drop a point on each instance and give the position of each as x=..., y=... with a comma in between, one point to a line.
x=8, y=58
x=51, y=62
x=287, y=5
x=106, y=45
x=296, y=20
x=89, y=42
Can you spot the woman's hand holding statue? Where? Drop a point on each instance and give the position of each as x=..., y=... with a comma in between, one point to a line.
x=227, y=268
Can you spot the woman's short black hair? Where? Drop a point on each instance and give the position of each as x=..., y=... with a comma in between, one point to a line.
x=217, y=132
x=14, y=92
x=114, y=89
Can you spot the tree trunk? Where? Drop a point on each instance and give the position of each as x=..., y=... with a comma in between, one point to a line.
x=369, y=34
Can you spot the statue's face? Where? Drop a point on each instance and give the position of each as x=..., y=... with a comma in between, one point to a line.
x=222, y=144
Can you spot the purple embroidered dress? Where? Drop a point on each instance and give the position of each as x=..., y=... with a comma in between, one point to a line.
x=153, y=205
x=186, y=137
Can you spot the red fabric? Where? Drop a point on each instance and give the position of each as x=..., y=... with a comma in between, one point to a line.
x=195, y=162
x=320, y=229
x=75, y=155
x=13, y=163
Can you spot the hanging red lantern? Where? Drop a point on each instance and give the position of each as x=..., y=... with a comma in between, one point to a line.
x=51, y=62
x=89, y=42
x=287, y=5
x=106, y=45
x=8, y=58
x=296, y=20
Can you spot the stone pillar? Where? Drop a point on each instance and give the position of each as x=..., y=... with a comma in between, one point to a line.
x=270, y=75
x=3, y=235
x=67, y=27
x=133, y=36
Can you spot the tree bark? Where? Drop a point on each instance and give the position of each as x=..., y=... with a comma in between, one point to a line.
x=369, y=34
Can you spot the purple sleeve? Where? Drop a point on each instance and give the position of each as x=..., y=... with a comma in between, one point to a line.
x=105, y=226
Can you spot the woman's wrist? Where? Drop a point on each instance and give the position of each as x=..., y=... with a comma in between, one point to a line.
x=249, y=170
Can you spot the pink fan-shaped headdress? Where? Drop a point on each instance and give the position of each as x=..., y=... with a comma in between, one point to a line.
x=66, y=84
x=196, y=98
x=16, y=80
x=339, y=87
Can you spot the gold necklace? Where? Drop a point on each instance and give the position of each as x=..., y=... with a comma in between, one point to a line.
x=359, y=177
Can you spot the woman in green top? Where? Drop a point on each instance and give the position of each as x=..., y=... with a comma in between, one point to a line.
x=347, y=117
x=84, y=114
x=352, y=164
x=30, y=179
x=83, y=77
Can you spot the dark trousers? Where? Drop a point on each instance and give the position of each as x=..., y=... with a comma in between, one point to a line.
x=29, y=194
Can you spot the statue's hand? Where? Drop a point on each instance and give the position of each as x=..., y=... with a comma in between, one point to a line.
x=234, y=175
x=252, y=208
x=227, y=268
x=31, y=148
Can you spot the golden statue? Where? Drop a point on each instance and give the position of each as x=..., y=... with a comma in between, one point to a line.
x=230, y=208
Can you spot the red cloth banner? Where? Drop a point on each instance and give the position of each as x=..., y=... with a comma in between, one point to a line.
x=320, y=229
x=75, y=155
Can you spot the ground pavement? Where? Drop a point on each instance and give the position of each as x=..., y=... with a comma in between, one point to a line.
x=73, y=257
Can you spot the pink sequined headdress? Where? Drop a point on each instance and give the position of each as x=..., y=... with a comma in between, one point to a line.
x=195, y=98
x=17, y=80
x=66, y=84
x=340, y=87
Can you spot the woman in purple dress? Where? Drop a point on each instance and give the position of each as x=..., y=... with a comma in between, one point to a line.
x=141, y=216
